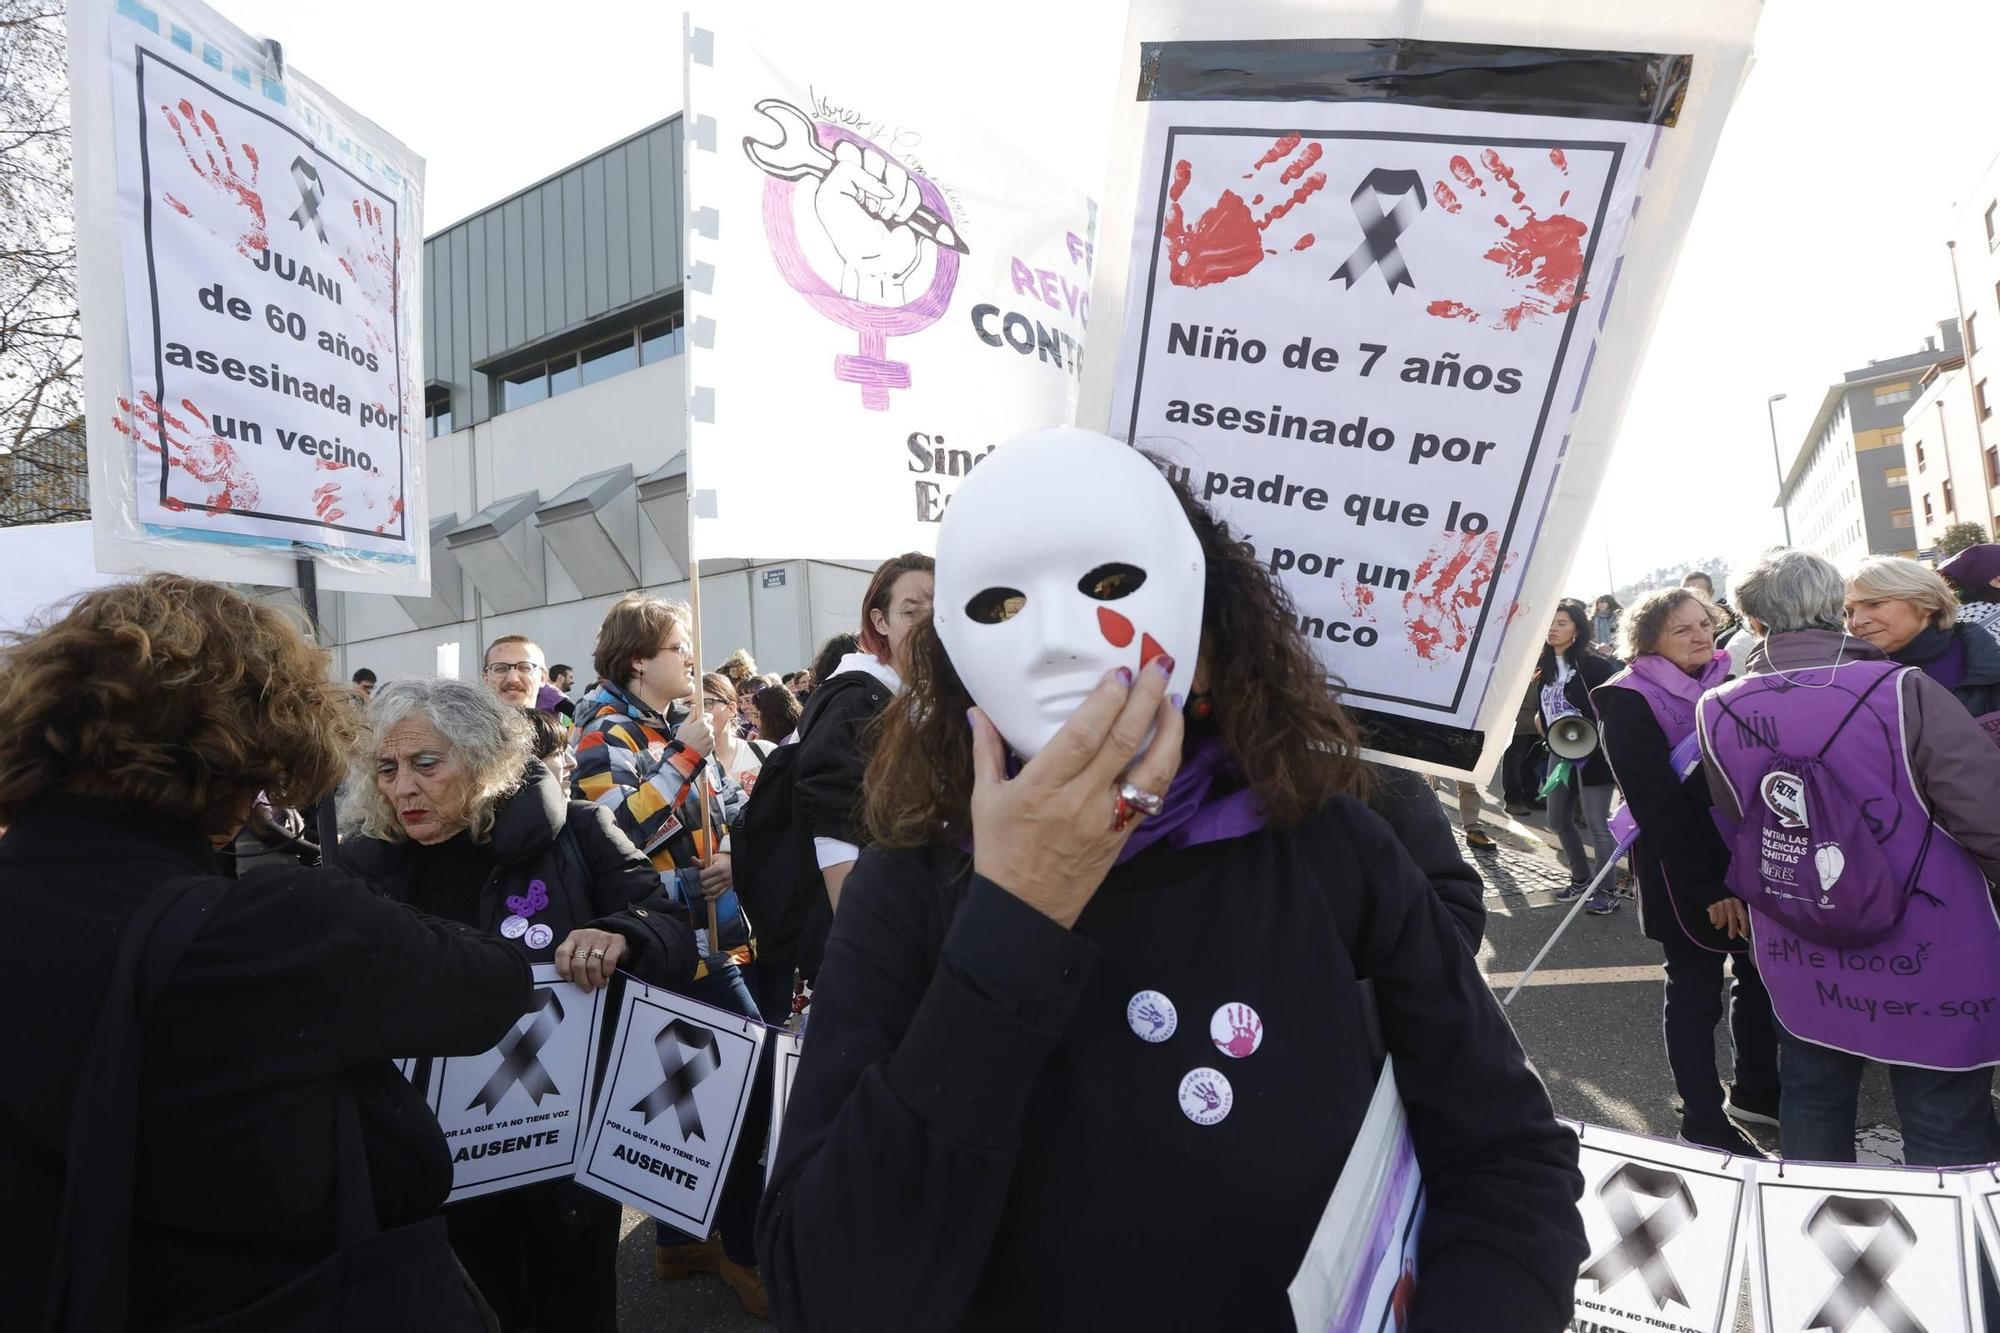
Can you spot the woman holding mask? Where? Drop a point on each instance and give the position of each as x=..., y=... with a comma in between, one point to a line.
x=1042, y=987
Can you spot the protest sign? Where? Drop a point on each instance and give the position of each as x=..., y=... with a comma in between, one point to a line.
x=1665, y=1226
x=786, y=1048
x=1367, y=294
x=1849, y=1247
x=516, y=1114
x=879, y=292
x=248, y=251
x=1982, y=1198
x=1360, y=1270
x=667, y=1119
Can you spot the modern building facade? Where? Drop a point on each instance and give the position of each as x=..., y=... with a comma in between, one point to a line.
x=554, y=405
x=1847, y=492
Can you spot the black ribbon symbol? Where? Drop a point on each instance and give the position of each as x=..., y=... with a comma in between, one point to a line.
x=1864, y=1273
x=518, y=1062
x=1379, y=230
x=687, y=1056
x=310, y=193
x=1642, y=1241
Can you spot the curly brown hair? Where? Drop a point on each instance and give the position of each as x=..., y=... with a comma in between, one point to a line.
x=175, y=695
x=1639, y=628
x=1269, y=694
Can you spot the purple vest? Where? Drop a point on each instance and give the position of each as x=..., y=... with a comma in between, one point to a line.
x=1676, y=718
x=1929, y=993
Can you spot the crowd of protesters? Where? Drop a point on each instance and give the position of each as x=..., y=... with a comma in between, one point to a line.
x=969, y=916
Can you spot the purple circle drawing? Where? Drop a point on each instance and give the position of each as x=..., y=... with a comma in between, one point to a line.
x=871, y=369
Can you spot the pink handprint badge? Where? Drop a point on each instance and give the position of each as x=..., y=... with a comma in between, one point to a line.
x=1206, y=1096
x=1236, y=1030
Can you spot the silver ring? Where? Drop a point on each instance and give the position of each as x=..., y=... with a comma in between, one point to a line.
x=597, y=953
x=1145, y=802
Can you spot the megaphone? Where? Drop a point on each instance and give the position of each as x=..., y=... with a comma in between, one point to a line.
x=1572, y=737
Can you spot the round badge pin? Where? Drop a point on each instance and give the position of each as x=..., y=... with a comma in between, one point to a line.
x=514, y=927
x=1152, y=1015
x=1206, y=1096
x=539, y=936
x=1236, y=1030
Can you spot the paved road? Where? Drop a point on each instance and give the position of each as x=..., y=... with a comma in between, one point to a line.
x=1590, y=1021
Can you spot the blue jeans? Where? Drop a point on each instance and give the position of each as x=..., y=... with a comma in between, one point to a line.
x=1596, y=811
x=736, y=1216
x=1947, y=1115
x=1695, y=1003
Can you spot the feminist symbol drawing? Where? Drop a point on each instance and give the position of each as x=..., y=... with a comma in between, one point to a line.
x=1642, y=1240
x=1864, y=1272
x=519, y=1056
x=875, y=226
x=1379, y=230
x=687, y=1056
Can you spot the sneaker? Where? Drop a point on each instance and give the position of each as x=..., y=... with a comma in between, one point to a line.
x=1751, y=1106
x=1601, y=904
x=1724, y=1137
x=1571, y=891
x=748, y=1284
x=673, y=1262
x=1480, y=838
x=1518, y=808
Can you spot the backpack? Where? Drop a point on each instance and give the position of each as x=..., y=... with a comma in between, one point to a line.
x=1802, y=835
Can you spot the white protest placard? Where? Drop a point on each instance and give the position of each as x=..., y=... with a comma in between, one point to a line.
x=1360, y=1270
x=1982, y=1197
x=1375, y=304
x=249, y=253
x=516, y=1114
x=786, y=1047
x=1665, y=1223
x=672, y=1104
x=1852, y=1247
x=880, y=291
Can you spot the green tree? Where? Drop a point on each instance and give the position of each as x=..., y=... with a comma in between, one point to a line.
x=1959, y=536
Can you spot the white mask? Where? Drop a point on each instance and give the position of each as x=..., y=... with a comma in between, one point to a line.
x=1064, y=556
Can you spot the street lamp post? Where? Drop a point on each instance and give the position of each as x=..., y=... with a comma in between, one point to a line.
x=1771, y=415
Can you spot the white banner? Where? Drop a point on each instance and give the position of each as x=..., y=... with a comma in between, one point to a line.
x=666, y=1122
x=516, y=1114
x=879, y=292
x=786, y=1048
x=1848, y=1247
x=251, y=253
x=1665, y=1226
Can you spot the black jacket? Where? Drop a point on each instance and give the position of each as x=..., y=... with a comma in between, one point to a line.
x=976, y=1127
x=833, y=753
x=1680, y=854
x=618, y=889
x=1591, y=670
x=1410, y=808
x=300, y=983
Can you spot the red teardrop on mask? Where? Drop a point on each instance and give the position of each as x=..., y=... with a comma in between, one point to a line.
x=1116, y=629
x=1149, y=648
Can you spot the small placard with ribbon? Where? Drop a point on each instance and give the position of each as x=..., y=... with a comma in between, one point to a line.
x=1665, y=1227
x=1856, y=1249
x=516, y=1114
x=667, y=1122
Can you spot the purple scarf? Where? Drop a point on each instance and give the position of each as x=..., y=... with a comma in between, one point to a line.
x=1659, y=671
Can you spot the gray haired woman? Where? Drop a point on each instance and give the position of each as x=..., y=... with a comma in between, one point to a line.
x=447, y=812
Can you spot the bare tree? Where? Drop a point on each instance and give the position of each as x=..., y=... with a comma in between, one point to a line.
x=41, y=347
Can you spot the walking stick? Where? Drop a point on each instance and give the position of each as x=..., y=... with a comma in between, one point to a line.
x=1610, y=864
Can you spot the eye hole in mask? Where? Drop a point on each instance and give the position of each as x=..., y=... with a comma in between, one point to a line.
x=995, y=605
x=1108, y=583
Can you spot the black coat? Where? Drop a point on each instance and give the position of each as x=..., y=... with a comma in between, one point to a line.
x=300, y=983
x=834, y=737
x=1680, y=855
x=1410, y=808
x=618, y=889
x=1590, y=671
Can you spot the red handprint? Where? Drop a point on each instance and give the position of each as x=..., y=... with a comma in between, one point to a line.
x=216, y=167
x=1228, y=240
x=373, y=270
x=1545, y=253
x=326, y=502
x=1447, y=590
x=211, y=460
x=1245, y=1031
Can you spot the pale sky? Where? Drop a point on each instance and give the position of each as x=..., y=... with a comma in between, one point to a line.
x=1818, y=244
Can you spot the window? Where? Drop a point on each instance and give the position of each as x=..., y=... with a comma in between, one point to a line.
x=611, y=358
x=1920, y=455
x=1886, y=394
x=1993, y=466
x=1897, y=476
x=657, y=342
x=1980, y=400
x=1971, y=338
x=530, y=384
x=1929, y=517
x=437, y=411
x=1991, y=239
x=1950, y=502
x=563, y=375
x=1891, y=439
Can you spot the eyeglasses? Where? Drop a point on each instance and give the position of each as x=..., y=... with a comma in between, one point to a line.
x=498, y=669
